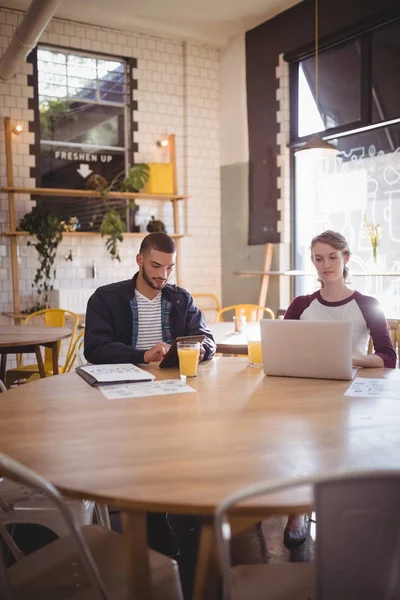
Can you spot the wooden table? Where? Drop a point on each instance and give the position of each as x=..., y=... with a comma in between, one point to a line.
x=227, y=340
x=184, y=453
x=26, y=338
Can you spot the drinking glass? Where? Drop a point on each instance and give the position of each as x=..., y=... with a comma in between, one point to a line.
x=254, y=346
x=188, y=353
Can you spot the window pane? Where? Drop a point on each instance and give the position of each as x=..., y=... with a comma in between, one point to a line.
x=385, y=69
x=83, y=123
x=339, y=84
x=52, y=56
x=336, y=193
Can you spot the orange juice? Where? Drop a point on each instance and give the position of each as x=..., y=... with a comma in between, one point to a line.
x=188, y=360
x=255, y=353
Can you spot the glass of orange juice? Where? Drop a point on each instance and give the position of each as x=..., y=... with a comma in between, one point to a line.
x=254, y=345
x=188, y=353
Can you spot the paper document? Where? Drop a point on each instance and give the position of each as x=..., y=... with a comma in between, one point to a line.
x=140, y=390
x=364, y=387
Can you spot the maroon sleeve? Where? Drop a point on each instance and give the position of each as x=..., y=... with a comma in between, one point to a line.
x=298, y=306
x=376, y=323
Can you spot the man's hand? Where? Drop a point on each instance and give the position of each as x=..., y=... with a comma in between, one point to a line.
x=156, y=353
x=202, y=352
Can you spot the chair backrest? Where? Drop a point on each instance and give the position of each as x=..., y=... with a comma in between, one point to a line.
x=252, y=312
x=358, y=533
x=76, y=353
x=20, y=474
x=55, y=317
x=211, y=303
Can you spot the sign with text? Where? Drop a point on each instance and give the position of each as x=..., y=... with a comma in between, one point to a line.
x=63, y=167
x=69, y=168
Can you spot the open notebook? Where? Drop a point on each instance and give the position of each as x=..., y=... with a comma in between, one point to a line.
x=109, y=374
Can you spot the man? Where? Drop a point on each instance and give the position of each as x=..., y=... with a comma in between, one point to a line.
x=136, y=320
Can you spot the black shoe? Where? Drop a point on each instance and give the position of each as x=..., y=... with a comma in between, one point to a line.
x=292, y=538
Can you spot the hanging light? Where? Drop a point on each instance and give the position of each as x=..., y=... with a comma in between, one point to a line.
x=316, y=142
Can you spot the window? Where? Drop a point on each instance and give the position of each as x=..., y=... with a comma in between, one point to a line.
x=339, y=89
x=360, y=106
x=83, y=103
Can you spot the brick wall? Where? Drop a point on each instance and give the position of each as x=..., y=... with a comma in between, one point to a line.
x=283, y=184
x=178, y=92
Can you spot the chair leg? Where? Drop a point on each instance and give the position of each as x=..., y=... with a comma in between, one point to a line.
x=103, y=515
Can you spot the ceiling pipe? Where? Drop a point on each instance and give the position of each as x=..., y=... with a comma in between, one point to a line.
x=26, y=36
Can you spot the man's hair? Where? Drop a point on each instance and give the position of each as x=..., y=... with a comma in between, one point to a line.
x=157, y=241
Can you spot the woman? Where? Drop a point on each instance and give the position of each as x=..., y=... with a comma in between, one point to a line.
x=335, y=301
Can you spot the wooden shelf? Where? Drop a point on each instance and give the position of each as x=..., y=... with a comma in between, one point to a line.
x=74, y=233
x=90, y=194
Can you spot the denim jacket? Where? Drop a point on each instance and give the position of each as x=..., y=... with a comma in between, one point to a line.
x=112, y=322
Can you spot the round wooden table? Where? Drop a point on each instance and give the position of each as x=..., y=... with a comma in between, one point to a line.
x=184, y=453
x=227, y=340
x=26, y=338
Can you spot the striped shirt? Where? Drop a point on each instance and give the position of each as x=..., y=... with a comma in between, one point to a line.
x=150, y=330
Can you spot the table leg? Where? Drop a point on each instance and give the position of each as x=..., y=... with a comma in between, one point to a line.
x=207, y=579
x=135, y=531
x=40, y=361
x=54, y=348
x=3, y=365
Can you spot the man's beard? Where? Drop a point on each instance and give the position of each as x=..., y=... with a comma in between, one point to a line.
x=150, y=282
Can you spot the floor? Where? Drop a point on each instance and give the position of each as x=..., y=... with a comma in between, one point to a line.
x=247, y=548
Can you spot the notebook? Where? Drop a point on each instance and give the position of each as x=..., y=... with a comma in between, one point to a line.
x=109, y=374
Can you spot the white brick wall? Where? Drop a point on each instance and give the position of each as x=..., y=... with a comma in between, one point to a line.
x=283, y=161
x=178, y=92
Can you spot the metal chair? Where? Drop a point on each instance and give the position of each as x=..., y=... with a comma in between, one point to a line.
x=212, y=303
x=252, y=312
x=88, y=564
x=357, y=544
x=53, y=317
x=76, y=353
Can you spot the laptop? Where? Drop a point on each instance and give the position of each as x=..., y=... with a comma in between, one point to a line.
x=315, y=349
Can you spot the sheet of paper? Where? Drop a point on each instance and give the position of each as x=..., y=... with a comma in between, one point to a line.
x=364, y=387
x=140, y=390
x=119, y=372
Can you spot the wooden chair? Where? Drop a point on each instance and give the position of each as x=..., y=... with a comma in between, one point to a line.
x=212, y=304
x=53, y=317
x=356, y=545
x=252, y=312
x=89, y=564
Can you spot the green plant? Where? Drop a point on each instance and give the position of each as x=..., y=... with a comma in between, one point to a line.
x=137, y=177
x=113, y=226
x=48, y=231
x=112, y=223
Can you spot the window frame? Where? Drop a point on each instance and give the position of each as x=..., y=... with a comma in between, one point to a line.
x=127, y=105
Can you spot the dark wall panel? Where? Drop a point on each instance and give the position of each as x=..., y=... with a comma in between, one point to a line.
x=288, y=31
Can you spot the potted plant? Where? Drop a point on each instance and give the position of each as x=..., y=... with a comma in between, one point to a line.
x=48, y=232
x=113, y=223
